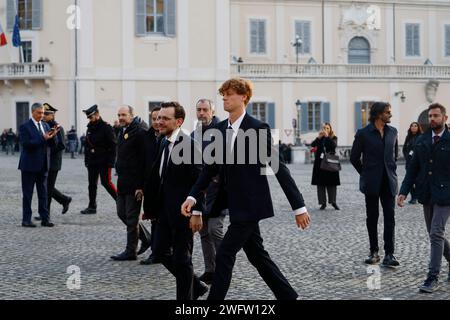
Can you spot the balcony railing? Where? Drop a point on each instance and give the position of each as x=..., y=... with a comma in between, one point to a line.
x=340, y=71
x=25, y=71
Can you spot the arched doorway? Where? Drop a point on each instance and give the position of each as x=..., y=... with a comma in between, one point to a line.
x=359, y=50
x=423, y=120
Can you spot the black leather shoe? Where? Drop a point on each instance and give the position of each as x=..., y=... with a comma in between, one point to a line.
x=335, y=206
x=323, y=207
x=89, y=211
x=144, y=247
x=373, y=258
x=150, y=260
x=124, y=256
x=207, y=277
x=28, y=225
x=47, y=224
x=66, y=206
x=390, y=261
x=200, y=290
x=37, y=218
x=430, y=285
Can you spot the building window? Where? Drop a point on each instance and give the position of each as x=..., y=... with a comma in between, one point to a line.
x=155, y=17
x=22, y=113
x=359, y=50
x=314, y=116
x=27, y=51
x=447, y=40
x=303, y=30
x=29, y=12
x=362, y=113
x=151, y=106
x=412, y=40
x=259, y=111
x=258, y=36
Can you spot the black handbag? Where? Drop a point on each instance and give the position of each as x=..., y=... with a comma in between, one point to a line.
x=330, y=162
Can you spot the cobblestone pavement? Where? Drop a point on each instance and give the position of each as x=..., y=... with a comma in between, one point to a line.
x=324, y=262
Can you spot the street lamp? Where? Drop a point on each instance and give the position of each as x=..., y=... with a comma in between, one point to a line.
x=298, y=141
x=297, y=44
x=402, y=95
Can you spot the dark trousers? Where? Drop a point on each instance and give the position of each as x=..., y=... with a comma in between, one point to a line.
x=178, y=261
x=372, y=210
x=29, y=180
x=246, y=235
x=322, y=194
x=104, y=172
x=129, y=210
x=436, y=218
x=53, y=192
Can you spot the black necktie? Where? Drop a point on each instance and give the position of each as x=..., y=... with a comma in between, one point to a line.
x=40, y=129
x=166, y=158
x=436, y=139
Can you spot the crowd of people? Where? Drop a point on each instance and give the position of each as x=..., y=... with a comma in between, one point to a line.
x=168, y=175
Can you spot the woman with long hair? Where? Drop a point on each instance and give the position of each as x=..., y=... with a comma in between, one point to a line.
x=325, y=181
x=414, y=132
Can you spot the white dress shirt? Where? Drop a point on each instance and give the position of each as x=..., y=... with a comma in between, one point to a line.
x=37, y=125
x=235, y=126
x=171, y=139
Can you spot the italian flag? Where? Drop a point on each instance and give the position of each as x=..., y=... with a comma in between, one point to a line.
x=3, y=41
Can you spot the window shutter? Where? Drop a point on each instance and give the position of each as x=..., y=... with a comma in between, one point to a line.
x=36, y=12
x=304, y=119
x=271, y=115
x=325, y=112
x=409, y=40
x=416, y=40
x=141, y=17
x=447, y=40
x=262, y=36
x=358, y=116
x=306, y=47
x=253, y=36
x=249, y=108
x=10, y=14
x=170, y=18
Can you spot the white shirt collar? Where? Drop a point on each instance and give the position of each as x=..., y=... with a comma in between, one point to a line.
x=36, y=122
x=440, y=134
x=237, y=124
x=174, y=135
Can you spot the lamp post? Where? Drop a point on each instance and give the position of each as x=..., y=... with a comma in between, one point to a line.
x=297, y=44
x=239, y=62
x=298, y=141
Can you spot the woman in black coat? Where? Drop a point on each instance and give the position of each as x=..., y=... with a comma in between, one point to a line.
x=325, y=181
x=413, y=133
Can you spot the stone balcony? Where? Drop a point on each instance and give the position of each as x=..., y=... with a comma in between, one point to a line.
x=26, y=72
x=340, y=71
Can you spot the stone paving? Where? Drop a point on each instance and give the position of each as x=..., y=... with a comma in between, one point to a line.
x=323, y=262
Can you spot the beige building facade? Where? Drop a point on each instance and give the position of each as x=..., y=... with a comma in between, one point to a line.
x=311, y=61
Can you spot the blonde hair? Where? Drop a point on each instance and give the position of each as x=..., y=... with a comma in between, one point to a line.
x=332, y=135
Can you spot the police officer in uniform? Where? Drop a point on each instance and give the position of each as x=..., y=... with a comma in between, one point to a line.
x=99, y=157
x=56, y=153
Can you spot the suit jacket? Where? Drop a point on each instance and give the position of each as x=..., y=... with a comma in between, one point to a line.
x=168, y=194
x=429, y=170
x=376, y=157
x=244, y=190
x=35, y=156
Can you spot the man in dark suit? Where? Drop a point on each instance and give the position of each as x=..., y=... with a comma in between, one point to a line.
x=130, y=165
x=36, y=138
x=245, y=192
x=99, y=157
x=377, y=143
x=429, y=170
x=171, y=180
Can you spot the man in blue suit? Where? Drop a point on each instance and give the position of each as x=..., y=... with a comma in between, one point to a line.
x=36, y=138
